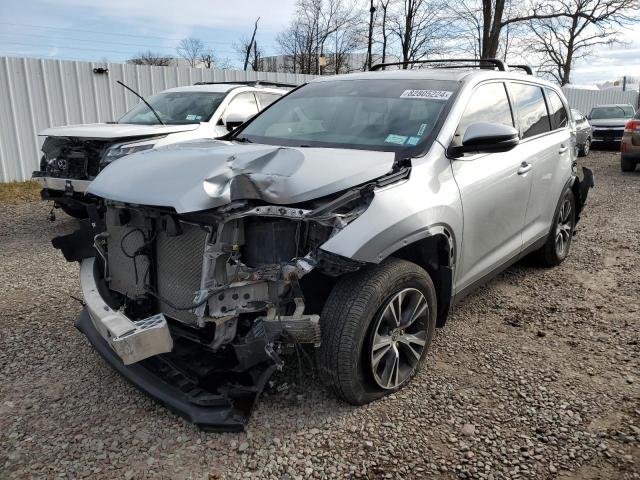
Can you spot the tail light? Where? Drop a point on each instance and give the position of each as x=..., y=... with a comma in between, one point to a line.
x=632, y=126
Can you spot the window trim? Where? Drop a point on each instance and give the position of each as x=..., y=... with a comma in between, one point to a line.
x=514, y=120
x=567, y=111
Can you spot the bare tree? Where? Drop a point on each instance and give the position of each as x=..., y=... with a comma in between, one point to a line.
x=150, y=58
x=583, y=25
x=372, y=11
x=208, y=58
x=384, y=31
x=420, y=28
x=190, y=49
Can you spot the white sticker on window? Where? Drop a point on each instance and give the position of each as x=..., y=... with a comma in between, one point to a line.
x=398, y=139
x=191, y=117
x=432, y=94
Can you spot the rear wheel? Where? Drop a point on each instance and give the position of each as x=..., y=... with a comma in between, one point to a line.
x=627, y=164
x=377, y=325
x=585, y=148
x=558, y=243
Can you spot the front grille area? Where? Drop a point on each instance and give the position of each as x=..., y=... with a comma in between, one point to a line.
x=612, y=134
x=142, y=256
x=73, y=158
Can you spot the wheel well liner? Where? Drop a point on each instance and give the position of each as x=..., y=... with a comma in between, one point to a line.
x=436, y=255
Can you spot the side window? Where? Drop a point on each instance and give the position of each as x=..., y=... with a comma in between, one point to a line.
x=489, y=103
x=533, y=117
x=559, y=117
x=266, y=99
x=243, y=104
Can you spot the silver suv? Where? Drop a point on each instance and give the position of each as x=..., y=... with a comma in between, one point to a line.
x=346, y=218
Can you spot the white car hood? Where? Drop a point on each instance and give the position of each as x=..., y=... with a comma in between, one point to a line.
x=203, y=174
x=114, y=130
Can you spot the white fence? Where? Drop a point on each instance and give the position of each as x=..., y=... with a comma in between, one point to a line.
x=36, y=94
x=585, y=100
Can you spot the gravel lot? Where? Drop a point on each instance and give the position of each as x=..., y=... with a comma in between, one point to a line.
x=537, y=375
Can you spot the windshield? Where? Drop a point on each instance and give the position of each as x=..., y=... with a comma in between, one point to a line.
x=622, y=111
x=175, y=108
x=371, y=114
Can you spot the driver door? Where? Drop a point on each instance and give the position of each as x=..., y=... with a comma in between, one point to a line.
x=494, y=189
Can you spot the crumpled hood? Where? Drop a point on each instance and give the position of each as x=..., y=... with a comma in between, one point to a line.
x=114, y=130
x=609, y=122
x=204, y=174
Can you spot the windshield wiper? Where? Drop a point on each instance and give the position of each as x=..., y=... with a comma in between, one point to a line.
x=242, y=139
x=142, y=98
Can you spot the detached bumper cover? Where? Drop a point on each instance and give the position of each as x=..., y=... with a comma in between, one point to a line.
x=209, y=412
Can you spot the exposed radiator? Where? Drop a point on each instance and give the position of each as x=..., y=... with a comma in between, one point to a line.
x=177, y=262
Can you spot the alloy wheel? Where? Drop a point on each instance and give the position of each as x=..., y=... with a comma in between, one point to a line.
x=564, y=228
x=399, y=338
x=586, y=147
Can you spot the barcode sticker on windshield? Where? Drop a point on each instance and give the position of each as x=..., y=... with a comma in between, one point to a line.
x=432, y=94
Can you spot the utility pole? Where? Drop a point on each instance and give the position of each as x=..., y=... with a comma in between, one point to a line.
x=372, y=10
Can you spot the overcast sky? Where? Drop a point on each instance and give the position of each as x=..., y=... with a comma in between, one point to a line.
x=118, y=29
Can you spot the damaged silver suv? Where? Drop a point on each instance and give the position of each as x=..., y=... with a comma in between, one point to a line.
x=347, y=217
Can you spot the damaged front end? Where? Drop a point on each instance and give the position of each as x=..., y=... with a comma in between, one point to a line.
x=198, y=309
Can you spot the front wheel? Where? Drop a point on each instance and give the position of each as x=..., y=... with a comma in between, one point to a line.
x=558, y=243
x=377, y=325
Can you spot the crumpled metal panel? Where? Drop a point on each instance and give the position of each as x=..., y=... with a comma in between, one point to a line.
x=204, y=174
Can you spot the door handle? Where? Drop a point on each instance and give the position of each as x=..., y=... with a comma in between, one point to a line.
x=524, y=168
x=563, y=149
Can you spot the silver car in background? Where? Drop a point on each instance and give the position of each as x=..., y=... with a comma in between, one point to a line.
x=608, y=121
x=345, y=219
x=583, y=133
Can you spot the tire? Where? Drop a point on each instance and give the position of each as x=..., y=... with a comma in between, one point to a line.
x=356, y=313
x=563, y=225
x=585, y=148
x=627, y=164
x=75, y=211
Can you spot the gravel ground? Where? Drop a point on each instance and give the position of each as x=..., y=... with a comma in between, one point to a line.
x=535, y=376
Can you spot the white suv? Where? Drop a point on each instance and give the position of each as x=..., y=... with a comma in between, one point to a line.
x=75, y=154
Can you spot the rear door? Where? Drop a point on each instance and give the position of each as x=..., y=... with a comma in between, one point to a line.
x=493, y=189
x=547, y=149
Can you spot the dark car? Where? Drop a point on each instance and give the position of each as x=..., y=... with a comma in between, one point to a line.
x=630, y=146
x=608, y=121
x=583, y=133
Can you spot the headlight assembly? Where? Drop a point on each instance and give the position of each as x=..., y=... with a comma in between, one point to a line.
x=120, y=150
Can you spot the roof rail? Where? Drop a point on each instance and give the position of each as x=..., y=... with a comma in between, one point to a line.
x=253, y=83
x=494, y=62
x=526, y=68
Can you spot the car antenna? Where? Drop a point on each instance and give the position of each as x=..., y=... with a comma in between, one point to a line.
x=142, y=98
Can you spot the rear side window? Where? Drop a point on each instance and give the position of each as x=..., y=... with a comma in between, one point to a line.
x=266, y=99
x=559, y=116
x=242, y=104
x=533, y=117
x=489, y=104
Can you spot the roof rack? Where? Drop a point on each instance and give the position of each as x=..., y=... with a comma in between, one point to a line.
x=253, y=83
x=494, y=62
x=526, y=68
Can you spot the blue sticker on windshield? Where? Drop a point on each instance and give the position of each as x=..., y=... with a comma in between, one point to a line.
x=398, y=139
x=423, y=127
x=413, y=141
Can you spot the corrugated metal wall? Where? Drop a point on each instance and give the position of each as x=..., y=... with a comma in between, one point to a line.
x=585, y=100
x=36, y=94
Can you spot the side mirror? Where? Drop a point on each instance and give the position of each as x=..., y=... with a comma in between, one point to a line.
x=235, y=119
x=487, y=138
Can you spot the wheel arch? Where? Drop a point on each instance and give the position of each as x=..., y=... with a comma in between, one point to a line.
x=436, y=253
